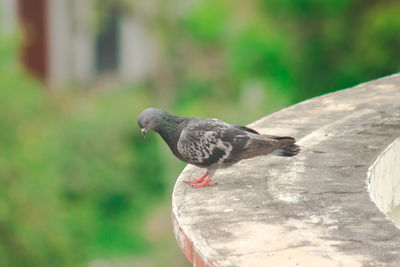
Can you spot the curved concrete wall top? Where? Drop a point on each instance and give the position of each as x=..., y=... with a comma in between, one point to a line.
x=310, y=210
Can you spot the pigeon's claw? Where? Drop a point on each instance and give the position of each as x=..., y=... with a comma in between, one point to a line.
x=202, y=185
x=205, y=183
x=196, y=181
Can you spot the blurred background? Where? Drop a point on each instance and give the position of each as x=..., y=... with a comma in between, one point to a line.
x=78, y=184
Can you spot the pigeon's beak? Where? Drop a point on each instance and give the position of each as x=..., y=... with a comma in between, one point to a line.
x=144, y=131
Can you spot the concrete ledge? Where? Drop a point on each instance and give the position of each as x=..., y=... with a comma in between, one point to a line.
x=311, y=210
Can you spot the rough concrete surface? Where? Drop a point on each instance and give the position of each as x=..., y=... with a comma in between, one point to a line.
x=310, y=210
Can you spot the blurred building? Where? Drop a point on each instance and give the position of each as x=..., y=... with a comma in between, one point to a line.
x=62, y=46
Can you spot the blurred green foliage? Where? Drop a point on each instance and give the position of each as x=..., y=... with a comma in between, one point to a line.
x=75, y=180
x=295, y=49
x=76, y=177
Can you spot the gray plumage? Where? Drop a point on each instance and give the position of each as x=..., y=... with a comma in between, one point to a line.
x=212, y=143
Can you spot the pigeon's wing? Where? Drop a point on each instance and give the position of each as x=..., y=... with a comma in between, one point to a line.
x=244, y=128
x=205, y=142
x=250, y=130
x=200, y=142
x=251, y=145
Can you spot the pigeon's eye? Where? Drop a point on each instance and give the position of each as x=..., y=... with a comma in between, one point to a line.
x=146, y=122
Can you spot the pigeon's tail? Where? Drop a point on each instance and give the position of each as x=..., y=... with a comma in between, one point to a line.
x=287, y=151
x=288, y=147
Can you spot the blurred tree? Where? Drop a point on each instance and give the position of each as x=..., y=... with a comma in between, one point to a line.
x=30, y=211
x=335, y=39
x=292, y=49
x=75, y=181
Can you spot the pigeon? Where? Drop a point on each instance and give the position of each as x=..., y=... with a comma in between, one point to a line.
x=211, y=143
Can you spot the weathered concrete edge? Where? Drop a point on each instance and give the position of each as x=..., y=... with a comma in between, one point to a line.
x=194, y=248
x=191, y=251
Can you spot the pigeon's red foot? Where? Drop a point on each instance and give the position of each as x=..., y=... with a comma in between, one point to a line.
x=196, y=181
x=201, y=182
x=205, y=183
x=202, y=185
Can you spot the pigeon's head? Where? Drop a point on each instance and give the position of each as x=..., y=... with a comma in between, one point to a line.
x=149, y=119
